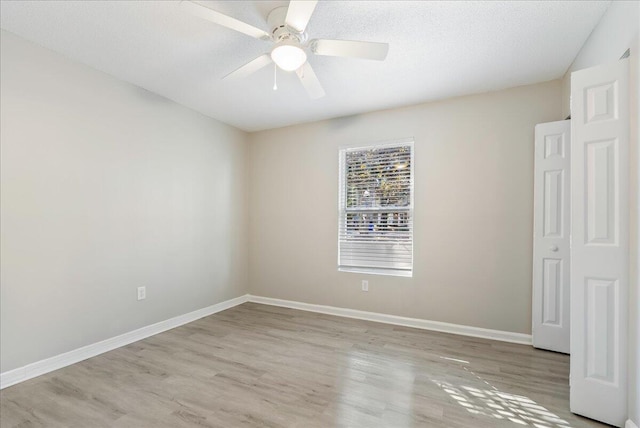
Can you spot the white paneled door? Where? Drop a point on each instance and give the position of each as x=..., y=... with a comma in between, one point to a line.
x=600, y=241
x=552, y=224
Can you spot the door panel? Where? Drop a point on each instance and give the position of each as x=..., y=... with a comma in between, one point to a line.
x=551, y=236
x=552, y=292
x=601, y=158
x=600, y=241
x=553, y=212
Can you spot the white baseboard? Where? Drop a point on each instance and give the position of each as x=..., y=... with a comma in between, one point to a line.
x=630, y=424
x=41, y=367
x=464, y=330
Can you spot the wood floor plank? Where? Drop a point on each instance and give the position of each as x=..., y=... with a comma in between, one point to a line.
x=259, y=365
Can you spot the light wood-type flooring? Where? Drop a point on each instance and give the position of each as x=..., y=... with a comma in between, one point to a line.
x=258, y=365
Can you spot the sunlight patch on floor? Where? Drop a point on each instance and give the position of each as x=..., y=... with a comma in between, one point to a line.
x=493, y=403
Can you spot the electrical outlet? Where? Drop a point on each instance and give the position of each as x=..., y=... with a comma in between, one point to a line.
x=142, y=293
x=365, y=285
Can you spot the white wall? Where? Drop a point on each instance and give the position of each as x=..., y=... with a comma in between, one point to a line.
x=107, y=187
x=617, y=31
x=473, y=209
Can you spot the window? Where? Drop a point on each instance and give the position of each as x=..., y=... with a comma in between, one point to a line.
x=375, y=232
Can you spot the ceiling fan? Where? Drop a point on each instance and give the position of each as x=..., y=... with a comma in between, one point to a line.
x=290, y=42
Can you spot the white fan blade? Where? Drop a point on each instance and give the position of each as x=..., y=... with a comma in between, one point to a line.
x=224, y=20
x=349, y=48
x=299, y=13
x=310, y=81
x=250, y=67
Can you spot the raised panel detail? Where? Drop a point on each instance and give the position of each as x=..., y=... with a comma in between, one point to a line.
x=601, y=192
x=601, y=329
x=552, y=292
x=553, y=187
x=601, y=102
x=554, y=146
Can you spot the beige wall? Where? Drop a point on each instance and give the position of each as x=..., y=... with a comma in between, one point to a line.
x=106, y=187
x=473, y=209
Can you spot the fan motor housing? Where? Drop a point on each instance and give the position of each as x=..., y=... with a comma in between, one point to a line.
x=279, y=29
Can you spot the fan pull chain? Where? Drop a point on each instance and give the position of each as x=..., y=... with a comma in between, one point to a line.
x=275, y=77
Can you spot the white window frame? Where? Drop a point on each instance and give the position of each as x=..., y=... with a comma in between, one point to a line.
x=342, y=209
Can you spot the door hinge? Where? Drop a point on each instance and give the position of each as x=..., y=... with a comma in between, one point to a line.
x=570, y=105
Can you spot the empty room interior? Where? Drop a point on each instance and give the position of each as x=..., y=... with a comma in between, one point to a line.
x=319, y=213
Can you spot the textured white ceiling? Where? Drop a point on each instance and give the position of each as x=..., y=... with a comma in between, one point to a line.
x=437, y=50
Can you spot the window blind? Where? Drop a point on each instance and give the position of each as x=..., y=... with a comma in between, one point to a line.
x=375, y=233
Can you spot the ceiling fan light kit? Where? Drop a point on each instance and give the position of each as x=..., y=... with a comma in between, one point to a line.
x=288, y=34
x=288, y=55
